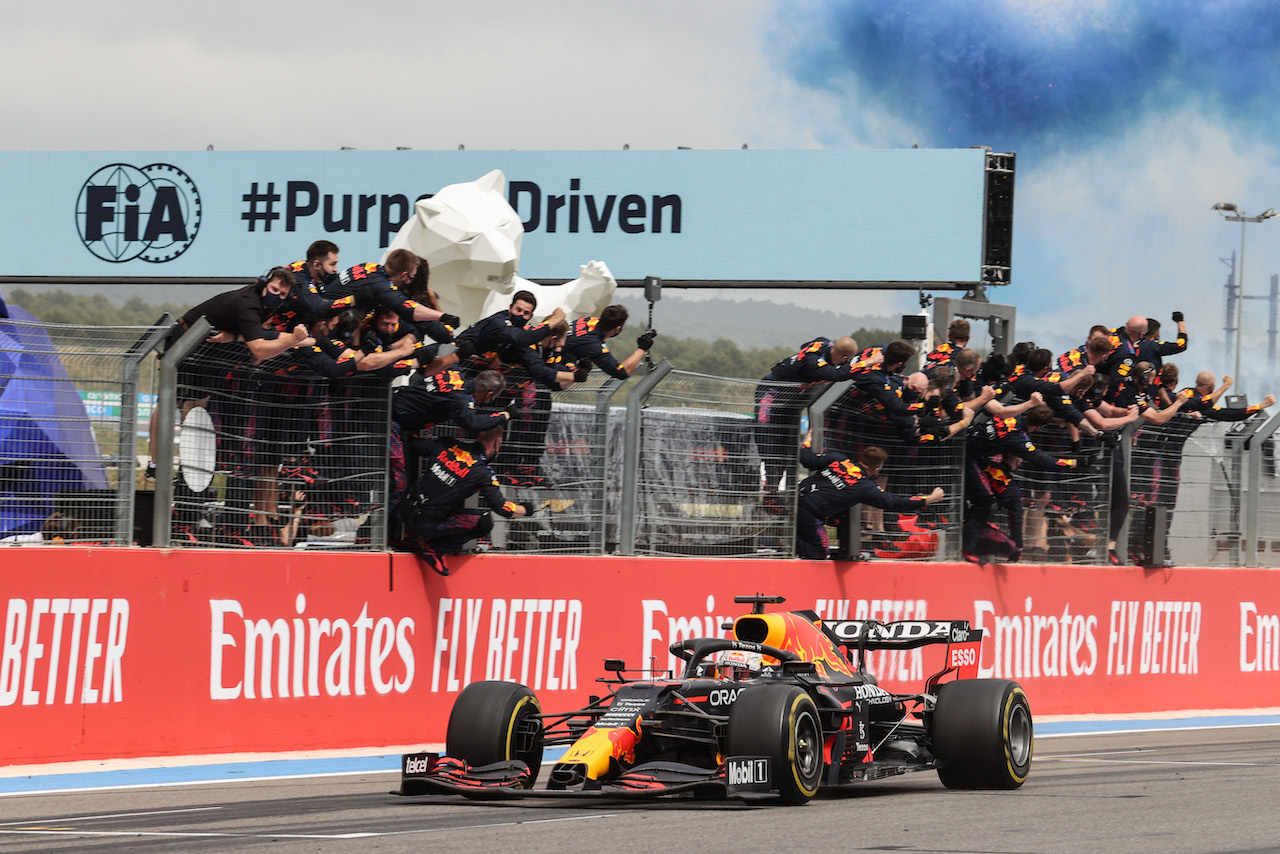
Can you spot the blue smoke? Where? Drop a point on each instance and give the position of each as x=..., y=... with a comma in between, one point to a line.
x=966, y=72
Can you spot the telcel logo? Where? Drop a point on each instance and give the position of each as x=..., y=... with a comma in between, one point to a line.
x=125, y=212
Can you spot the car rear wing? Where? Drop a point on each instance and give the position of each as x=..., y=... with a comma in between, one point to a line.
x=964, y=644
x=904, y=634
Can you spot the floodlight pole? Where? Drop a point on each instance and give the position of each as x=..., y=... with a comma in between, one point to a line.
x=1237, y=215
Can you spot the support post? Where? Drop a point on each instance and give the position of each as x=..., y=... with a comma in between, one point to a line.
x=629, y=499
x=166, y=405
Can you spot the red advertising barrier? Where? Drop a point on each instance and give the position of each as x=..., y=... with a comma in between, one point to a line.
x=141, y=652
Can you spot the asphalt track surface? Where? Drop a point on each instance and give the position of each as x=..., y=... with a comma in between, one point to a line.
x=1166, y=791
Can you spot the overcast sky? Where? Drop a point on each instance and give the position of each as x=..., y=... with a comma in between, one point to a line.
x=1130, y=119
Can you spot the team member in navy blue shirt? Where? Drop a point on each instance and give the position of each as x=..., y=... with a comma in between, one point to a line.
x=838, y=484
x=587, y=337
x=1152, y=350
x=434, y=519
x=781, y=397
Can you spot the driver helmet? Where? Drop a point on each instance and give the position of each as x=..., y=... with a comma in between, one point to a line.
x=734, y=664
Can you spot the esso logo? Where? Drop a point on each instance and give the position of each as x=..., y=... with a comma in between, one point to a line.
x=723, y=696
x=964, y=657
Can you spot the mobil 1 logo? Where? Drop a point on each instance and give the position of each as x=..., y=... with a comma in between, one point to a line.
x=150, y=213
x=747, y=774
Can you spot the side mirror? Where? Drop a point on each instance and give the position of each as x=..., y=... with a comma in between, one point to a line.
x=615, y=665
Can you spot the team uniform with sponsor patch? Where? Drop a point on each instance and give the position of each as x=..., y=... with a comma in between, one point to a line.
x=432, y=511
x=944, y=354
x=780, y=400
x=584, y=344
x=1152, y=351
x=441, y=399
x=989, y=480
x=1022, y=384
x=1072, y=360
x=838, y=484
x=364, y=287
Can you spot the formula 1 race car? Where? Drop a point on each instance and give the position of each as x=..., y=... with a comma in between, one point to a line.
x=783, y=707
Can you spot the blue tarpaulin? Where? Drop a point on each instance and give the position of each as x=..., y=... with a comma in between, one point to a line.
x=46, y=441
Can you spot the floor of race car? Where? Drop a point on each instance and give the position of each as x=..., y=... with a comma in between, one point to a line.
x=188, y=770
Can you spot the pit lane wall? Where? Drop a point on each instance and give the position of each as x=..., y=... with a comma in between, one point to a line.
x=142, y=652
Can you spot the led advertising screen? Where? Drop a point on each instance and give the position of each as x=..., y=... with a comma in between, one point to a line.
x=695, y=216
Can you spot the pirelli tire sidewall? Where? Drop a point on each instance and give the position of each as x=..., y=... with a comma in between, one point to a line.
x=782, y=723
x=491, y=722
x=982, y=734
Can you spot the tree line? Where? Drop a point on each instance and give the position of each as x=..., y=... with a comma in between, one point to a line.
x=722, y=357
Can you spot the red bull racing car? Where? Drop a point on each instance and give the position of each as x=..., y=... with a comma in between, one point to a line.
x=782, y=708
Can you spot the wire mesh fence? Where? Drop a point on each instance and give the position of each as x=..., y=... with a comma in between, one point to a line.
x=703, y=486
x=913, y=466
x=281, y=455
x=1267, y=496
x=68, y=414
x=277, y=455
x=1067, y=513
x=1191, y=472
x=562, y=454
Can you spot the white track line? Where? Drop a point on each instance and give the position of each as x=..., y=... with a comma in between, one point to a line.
x=1159, y=762
x=119, y=815
x=51, y=831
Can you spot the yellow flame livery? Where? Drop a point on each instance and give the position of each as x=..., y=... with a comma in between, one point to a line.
x=794, y=633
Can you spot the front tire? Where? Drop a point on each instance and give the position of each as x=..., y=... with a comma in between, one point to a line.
x=496, y=722
x=780, y=722
x=982, y=734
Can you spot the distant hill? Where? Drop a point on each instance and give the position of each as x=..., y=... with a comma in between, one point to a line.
x=750, y=323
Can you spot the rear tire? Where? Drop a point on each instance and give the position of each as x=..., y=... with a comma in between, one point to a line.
x=496, y=722
x=780, y=722
x=982, y=734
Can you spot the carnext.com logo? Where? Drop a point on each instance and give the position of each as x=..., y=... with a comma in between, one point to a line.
x=125, y=212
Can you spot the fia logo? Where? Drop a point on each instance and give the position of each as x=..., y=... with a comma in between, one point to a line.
x=152, y=213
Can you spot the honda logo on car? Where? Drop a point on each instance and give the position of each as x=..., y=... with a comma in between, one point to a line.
x=905, y=630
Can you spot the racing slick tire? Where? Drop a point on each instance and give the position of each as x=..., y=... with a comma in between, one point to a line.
x=780, y=722
x=496, y=722
x=982, y=734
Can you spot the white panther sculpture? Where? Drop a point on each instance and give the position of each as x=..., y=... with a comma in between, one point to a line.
x=470, y=236
x=584, y=296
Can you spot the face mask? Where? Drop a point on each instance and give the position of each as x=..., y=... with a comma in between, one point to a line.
x=272, y=301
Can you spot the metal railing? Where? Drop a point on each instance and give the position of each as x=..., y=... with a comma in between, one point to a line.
x=569, y=468
x=69, y=410
x=1067, y=514
x=848, y=423
x=695, y=478
x=270, y=454
x=685, y=465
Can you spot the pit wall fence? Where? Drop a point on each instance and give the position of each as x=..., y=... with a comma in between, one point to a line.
x=671, y=463
x=119, y=652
